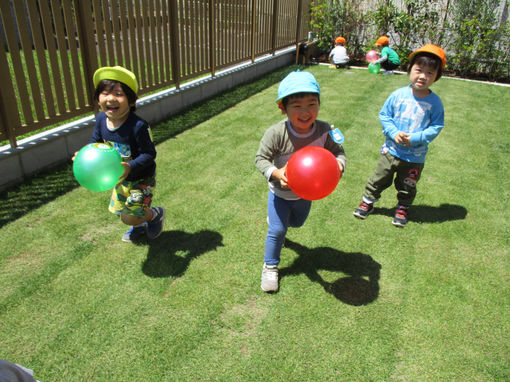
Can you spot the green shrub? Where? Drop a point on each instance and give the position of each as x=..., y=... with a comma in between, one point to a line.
x=479, y=45
x=475, y=40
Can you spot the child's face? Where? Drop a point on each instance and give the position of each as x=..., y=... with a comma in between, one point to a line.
x=422, y=77
x=114, y=103
x=302, y=112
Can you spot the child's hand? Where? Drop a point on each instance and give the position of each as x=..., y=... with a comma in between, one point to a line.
x=74, y=156
x=280, y=175
x=127, y=170
x=341, y=167
x=403, y=139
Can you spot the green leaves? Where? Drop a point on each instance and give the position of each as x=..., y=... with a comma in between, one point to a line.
x=475, y=39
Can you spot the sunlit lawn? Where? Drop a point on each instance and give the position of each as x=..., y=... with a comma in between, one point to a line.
x=359, y=300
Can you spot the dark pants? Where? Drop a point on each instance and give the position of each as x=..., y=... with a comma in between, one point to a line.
x=406, y=176
x=388, y=65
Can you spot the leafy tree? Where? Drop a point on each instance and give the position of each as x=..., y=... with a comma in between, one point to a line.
x=468, y=30
x=332, y=18
x=414, y=25
x=479, y=44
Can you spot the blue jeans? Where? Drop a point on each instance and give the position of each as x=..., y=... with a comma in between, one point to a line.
x=282, y=214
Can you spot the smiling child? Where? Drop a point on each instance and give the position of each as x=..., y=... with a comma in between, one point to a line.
x=299, y=99
x=117, y=125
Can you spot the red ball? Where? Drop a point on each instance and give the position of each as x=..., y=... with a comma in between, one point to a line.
x=313, y=173
x=372, y=56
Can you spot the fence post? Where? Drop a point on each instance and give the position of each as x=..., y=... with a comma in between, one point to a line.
x=274, y=26
x=298, y=28
x=8, y=107
x=9, y=111
x=174, y=43
x=253, y=29
x=86, y=38
x=212, y=36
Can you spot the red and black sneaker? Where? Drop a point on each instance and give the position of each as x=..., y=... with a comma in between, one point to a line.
x=363, y=210
x=400, y=219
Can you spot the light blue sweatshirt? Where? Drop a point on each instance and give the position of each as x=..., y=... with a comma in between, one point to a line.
x=422, y=118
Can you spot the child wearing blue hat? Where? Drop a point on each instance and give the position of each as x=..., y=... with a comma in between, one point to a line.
x=116, y=124
x=299, y=99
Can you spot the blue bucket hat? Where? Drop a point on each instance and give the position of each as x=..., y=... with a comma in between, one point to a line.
x=297, y=82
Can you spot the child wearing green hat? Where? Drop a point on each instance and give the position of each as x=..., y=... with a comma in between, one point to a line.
x=299, y=99
x=117, y=124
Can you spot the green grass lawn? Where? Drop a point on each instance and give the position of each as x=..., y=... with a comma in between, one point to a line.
x=359, y=300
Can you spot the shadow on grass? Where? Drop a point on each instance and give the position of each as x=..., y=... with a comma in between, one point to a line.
x=359, y=287
x=164, y=258
x=48, y=185
x=428, y=214
x=35, y=192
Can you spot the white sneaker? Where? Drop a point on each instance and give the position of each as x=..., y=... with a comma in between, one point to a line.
x=269, y=282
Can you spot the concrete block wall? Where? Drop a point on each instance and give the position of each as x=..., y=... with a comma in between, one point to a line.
x=56, y=146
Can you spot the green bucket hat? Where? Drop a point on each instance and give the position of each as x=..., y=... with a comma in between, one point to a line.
x=116, y=73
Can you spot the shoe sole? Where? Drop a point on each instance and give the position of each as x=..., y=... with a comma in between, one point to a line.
x=398, y=224
x=358, y=215
x=269, y=290
x=131, y=240
x=138, y=239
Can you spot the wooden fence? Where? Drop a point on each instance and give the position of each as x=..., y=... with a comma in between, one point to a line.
x=51, y=48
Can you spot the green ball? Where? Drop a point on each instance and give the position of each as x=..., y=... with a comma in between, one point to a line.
x=374, y=68
x=97, y=167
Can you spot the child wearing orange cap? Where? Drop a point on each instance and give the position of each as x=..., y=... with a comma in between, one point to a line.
x=299, y=99
x=411, y=118
x=117, y=124
x=389, y=59
x=338, y=55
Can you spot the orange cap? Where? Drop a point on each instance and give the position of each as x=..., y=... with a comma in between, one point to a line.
x=383, y=40
x=433, y=49
x=340, y=40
